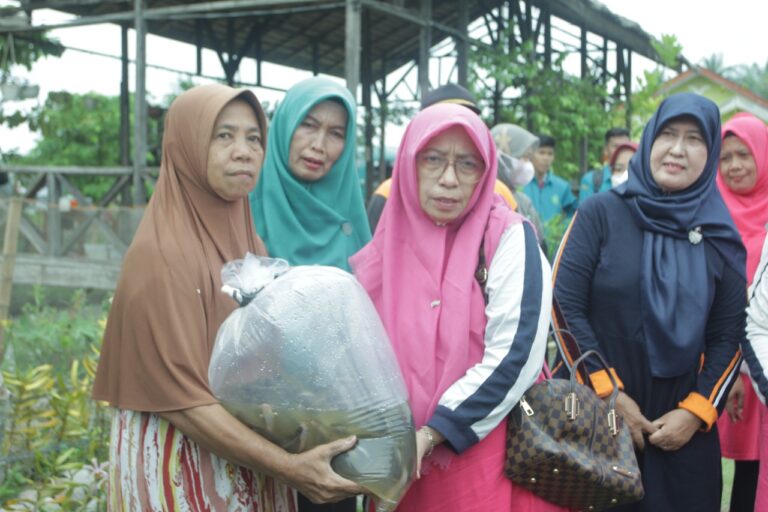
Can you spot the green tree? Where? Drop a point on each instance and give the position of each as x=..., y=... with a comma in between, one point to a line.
x=77, y=130
x=83, y=130
x=25, y=49
x=646, y=95
x=547, y=100
x=20, y=50
x=716, y=64
x=754, y=77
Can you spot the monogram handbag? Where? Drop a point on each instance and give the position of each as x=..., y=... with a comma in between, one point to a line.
x=566, y=445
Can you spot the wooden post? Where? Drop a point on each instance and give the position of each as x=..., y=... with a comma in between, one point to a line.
x=140, y=105
x=462, y=44
x=384, y=106
x=125, y=115
x=315, y=57
x=257, y=51
x=584, y=146
x=9, y=260
x=425, y=43
x=619, y=76
x=367, y=70
x=583, y=53
x=352, y=45
x=53, y=215
x=124, y=227
x=547, y=37
x=199, y=47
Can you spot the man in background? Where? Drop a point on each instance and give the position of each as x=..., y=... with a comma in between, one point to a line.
x=598, y=180
x=551, y=195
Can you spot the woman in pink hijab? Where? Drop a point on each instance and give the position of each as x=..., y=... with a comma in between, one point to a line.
x=466, y=359
x=743, y=183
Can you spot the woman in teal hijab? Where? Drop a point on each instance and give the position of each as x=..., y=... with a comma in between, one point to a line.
x=308, y=206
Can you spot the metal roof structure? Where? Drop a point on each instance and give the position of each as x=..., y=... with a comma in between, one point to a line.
x=361, y=41
x=313, y=34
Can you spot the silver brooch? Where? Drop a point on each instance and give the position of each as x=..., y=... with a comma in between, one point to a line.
x=695, y=236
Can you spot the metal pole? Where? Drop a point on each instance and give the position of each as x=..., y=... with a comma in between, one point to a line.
x=461, y=44
x=367, y=103
x=352, y=45
x=425, y=43
x=547, y=38
x=584, y=146
x=140, y=105
x=125, y=115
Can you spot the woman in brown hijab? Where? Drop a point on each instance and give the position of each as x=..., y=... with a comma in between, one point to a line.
x=173, y=447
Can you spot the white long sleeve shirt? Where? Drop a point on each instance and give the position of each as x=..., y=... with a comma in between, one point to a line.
x=756, y=348
x=519, y=303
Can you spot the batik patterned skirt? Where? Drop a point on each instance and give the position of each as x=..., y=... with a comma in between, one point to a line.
x=156, y=468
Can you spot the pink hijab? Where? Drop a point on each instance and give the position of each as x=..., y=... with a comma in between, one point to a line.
x=750, y=210
x=421, y=276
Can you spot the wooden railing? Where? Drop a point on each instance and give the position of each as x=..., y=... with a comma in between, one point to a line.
x=69, y=238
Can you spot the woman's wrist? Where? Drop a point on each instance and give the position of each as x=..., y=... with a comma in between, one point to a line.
x=432, y=436
x=427, y=433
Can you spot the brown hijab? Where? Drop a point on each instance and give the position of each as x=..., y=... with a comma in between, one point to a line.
x=167, y=306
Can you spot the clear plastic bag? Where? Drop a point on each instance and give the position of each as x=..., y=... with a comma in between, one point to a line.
x=306, y=361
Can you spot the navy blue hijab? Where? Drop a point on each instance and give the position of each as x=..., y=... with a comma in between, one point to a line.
x=677, y=290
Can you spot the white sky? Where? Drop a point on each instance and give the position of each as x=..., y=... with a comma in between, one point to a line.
x=703, y=27
x=734, y=28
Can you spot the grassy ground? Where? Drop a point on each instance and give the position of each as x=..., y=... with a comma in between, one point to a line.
x=727, y=481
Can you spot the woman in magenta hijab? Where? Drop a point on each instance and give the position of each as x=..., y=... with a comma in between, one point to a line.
x=743, y=183
x=466, y=359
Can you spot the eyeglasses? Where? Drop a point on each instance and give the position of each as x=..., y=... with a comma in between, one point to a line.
x=468, y=169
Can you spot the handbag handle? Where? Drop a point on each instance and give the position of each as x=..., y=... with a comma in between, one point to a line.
x=571, y=402
x=569, y=340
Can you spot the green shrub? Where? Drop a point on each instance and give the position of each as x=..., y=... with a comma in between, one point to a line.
x=55, y=437
x=44, y=334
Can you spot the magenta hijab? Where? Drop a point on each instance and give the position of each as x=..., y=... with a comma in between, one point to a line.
x=421, y=276
x=750, y=210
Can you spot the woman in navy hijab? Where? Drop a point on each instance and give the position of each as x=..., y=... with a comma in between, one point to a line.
x=652, y=276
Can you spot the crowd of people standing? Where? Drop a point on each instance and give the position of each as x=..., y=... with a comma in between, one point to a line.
x=652, y=272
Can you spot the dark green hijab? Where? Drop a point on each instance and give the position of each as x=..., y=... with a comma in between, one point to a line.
x=321, y=222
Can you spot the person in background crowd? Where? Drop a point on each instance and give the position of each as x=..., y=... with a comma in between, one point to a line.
x=743, y=183
x=550, y=194
x=652, y=275
x=619, y=162
x=598, y=180
x=307, y=206
x=465, y=363
x=172, y=446
x=515, y=147
x=451, y=94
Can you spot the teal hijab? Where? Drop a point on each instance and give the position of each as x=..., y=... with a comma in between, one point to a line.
x=321, y=222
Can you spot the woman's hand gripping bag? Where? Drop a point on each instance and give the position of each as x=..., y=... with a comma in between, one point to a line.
x=305, y=360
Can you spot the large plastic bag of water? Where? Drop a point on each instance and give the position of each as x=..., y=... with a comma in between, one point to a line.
x=305, y=360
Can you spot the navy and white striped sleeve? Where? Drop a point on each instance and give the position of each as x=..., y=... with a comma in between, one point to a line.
x=756, y=348
x=520, y=298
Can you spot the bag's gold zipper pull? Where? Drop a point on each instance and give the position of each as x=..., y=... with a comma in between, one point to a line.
x=613, y=425
x=572, y=406
x=527, y=409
